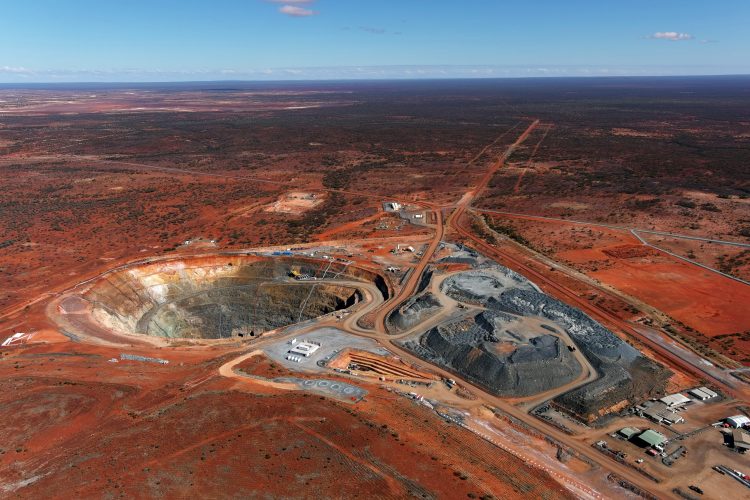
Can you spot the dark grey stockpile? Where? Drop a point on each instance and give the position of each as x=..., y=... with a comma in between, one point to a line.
x=414, y=311
x=469, y=347
x=625, y=374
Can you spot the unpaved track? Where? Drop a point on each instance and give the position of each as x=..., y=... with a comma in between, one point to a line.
x=638, y=237
x=227, y=369
x=499, y=163
x=517, y=186
x=579, y=446
x=411, y=285
x=408, y=289
x=102, y=164
x=456, y=222
x=610, y=226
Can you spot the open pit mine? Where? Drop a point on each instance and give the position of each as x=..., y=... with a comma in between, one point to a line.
x=218, y=298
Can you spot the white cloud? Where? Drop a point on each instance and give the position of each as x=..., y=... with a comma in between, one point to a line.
x=16, y=70
x=295, y=8
x=672, y=36
x=377, y=31
x=294, y=11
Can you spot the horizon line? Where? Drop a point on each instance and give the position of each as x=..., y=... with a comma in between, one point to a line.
x=373, y=79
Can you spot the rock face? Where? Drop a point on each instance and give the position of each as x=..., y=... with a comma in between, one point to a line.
x=215, y=300
x=505, y=363
x=625, y=373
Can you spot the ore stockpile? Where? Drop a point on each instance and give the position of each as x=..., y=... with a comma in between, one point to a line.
x=414, y=311
x=539, y=361
x=534, y=364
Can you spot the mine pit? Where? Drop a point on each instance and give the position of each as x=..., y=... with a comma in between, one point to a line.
x=238, y=297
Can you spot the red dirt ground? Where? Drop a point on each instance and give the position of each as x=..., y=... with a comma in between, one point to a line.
x=707, y=302
x=74, y=422
x=732, y=260
x=262, y=366
x=77, y=201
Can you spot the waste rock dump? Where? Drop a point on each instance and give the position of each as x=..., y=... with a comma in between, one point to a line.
x=511, y=348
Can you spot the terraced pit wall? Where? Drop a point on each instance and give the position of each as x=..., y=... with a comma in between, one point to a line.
x=221, y=297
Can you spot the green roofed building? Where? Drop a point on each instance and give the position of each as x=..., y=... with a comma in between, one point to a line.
x=628, y=432
x=651, y=438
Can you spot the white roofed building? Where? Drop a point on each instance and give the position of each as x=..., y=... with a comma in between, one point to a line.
x=699, y=394
x=708, y=391
x=675, y=400
x=304, y=348
x=738, y=421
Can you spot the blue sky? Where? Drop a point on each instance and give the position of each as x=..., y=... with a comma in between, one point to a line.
x=168, y=40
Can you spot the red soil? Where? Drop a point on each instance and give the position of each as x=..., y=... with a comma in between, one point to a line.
x=701, y=299
x=262, y=366
x=76, y=423
x=630, y=251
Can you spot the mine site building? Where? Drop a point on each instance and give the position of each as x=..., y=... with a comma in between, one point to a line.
x=699, y=394
x=673, y=418
x=661, y=414
x=675, y=400
x=651, y=438
x=741, y=440
x=305, y=349
x=653, y=415
x=737, y=421
x=708, y=391
x=628, y=432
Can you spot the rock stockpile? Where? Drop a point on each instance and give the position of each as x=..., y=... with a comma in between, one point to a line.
x=482, y=350
x=625, y=374
x=414, y=311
